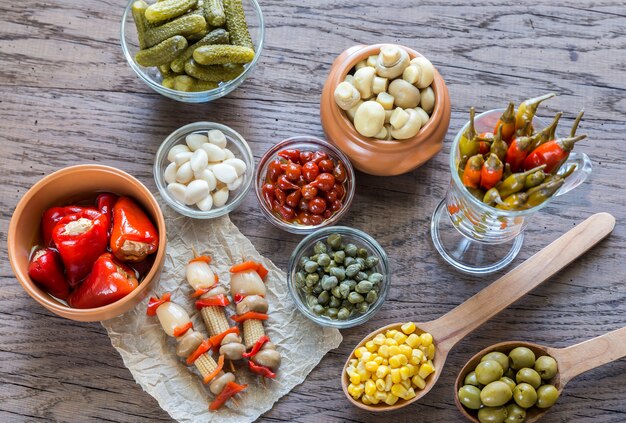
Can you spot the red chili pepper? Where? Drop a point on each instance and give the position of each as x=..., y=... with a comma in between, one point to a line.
x=155, y=302
x=256, y=347
x=134, y=236
x=261, y=370
x=202, y=348
x=471, y=173
x=290, y=154
x=553, y=153
x=284, y=183
x=80, y=238
x=250, y=265
x=249, y=315
x=52, y=216
x=105, y=203
x=220, y=300
x=181, y=330
x=491, y=172
x=229, y=390
x=108, y=282
x=218, y=369
x=517, y=152
x=216, y=340
x=46, y=269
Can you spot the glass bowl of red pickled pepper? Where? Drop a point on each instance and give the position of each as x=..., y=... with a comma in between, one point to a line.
x=303, y=184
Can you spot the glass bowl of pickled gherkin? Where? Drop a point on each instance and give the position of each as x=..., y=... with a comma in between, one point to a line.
x=192, y=51
x=338, y=277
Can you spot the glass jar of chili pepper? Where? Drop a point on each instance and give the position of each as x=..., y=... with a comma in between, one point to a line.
x=303, y=183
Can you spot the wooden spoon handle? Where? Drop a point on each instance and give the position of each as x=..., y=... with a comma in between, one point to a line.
x=590, y=354
x=462, y=320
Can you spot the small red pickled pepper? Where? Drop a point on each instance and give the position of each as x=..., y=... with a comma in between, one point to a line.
x=51, y=217
x=133, y=236
x=80, y=238
x=46, y=269
x=552, y=153
x=491, y=172
x=472, y=171
x=108, y=282
x=105, y=203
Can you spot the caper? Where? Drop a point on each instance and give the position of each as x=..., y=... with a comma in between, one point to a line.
x=332, y=312
x=312, y=279
x=371, y=261
x=546, y=367
x=375, y=278
x=318, y=309
x=310, y=266
x=470, y=379
x=314, y=257
x=323, y=260
x=338, y=272
x=344, y=290
x=334, y=302
x=355, y=298
x=303, y=260
x=330, y=266
x=525, y=395
x=515, y=414
x=371, y=297
x=339, y=256
x=300, y=278
x=319, y=247
x=348, y=261
x=361, y=276
x=529, y=376
x=336, y=293
x=501, y=358
x=351, y=283
x=317, y=289
x=351, y=250
x=522, y=357
x=547, y=396
x=362, y=307
x=352, y=270
x=364, y=287
x=323, y=298
x=492, y=415
x=361, y=262
x=469, y=396
x=311, y=300
x=343, y=314
x=334, y=240
x=329, y=282
x=362, y=253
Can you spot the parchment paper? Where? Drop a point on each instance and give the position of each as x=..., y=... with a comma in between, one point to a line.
x=150, y=354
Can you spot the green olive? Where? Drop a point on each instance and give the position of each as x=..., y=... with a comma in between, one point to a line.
x=488, y=371
x=525, y=395
x=522, y=357
x=470, y=379
x=547, y=396
x=495, y=394
x=469, y=396
x=546, y=367
x=492, y=415
x=509, y=382
x=501, y=358
x=510, y=373
x=515, y=414
x=529, y=376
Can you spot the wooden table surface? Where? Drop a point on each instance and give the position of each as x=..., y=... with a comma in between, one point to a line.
x=68, y=96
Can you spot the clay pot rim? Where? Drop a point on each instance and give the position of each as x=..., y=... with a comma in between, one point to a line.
x=354, y=55
x=45, y=299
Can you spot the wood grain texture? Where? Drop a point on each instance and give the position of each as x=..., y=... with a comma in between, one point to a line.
x=68, y=97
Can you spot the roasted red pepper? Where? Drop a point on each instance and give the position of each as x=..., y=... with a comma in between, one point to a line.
x=105, y=203
x=229, y=390
x=133, y=236
x=80, y=238
x=216, y=340
x=108, y=282
x=220, y=300
x=51, y=217
x=261, y=370
x=249, y=315
x=552, y=154
x=256, y=347
x=46, y=269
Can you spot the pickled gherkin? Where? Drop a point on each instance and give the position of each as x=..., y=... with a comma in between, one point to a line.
x=217, y=36
x=221, y=54
x=162, y=53
x=168, y=9
x=236, y=24
x=185, y=26
x=138, y=10
x=214, y=12
x=187, y=83
x=215, y=73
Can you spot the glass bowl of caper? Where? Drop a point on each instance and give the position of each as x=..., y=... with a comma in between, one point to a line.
x=338, y=277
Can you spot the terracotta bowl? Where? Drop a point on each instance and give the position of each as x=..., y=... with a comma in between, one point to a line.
x=370, y=155
x=59, y=188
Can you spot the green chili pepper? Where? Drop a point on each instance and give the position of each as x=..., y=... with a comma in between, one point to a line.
x=543, y=192
x=499, y=147
x=492, y=197
x=548, y=133
x=534, y=179
x=513, y=201
x=467, y=144
x=572, y=132
x=515, y=182
x=526, y=112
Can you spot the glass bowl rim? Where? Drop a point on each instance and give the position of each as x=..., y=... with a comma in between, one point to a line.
x=376, y=249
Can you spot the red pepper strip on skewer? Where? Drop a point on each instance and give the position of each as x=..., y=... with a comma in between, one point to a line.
x=181, y=330
x=250, y=265
x=216, y=340
x=205, y=259
x=133, y=236
x=155, y=302
x=202, y=348
x=491, y=172
x=201, y=291
x=52, y=216
x=211, y=376
x=471, y=173
x=220, y=300
x=257, y=346
x=230, y=390
x=249, y=315
x=46, y=269
x=553, y=153
x=261, y=370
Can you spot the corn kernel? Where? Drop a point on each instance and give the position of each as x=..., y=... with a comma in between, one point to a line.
x=378, y=360
x=390, y=342
x=391, y=333
x=426, y=339
x=409, y=394
x=413, y=340
x=403, y=359
x=383, y=351
x=425, y=370
x=364, y=374
x=418, y=382
x=398, y=390
x=353, y=362
x=355, y=379
x=365, y=401
x=400, y=337
x=371, y=346
x=359, y=351
x=406, y=383
x=431, y=351
x=380, y=385
x=405, y=373
x=391, y=399
x=379, y=339
x=394, y=350
x=412, y=369
x=372, y=399
x=388, y=383
x=355, y=390
x=408, y=328
x=394, y=361
x=365, y=356
x=395, y=376
x=370, y=387
x=417, y=356
x=405, y=350
x=382, y=371
x=380, y=396
x=371, y=366
x=385, y=362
